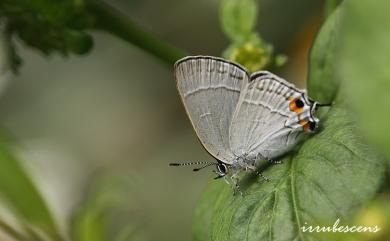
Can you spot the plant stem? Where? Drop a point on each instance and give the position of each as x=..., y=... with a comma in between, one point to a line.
x=114, y=21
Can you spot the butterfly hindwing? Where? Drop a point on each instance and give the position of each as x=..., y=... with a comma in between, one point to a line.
x=264, y=124
x=210, y=89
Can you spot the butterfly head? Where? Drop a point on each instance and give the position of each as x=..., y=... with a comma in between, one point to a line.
x=313, y=121
x=306, y=108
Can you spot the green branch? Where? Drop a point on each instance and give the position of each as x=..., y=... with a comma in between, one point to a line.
x=112, y=20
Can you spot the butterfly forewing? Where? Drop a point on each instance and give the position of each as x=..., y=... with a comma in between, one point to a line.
x=263, y=124
x=210, y=88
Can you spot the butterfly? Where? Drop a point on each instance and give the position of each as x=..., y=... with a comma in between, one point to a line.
x=241, y=118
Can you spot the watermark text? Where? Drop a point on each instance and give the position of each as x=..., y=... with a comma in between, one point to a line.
x=337, y=228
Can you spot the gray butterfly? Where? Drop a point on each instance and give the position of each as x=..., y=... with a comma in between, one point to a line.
x=241, y=118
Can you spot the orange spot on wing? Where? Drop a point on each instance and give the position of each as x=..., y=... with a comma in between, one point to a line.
x=306, y=127
x=303, y=122
x=293, y=106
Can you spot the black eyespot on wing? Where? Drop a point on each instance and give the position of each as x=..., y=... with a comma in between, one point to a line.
x=299, y=103
x=312, y=126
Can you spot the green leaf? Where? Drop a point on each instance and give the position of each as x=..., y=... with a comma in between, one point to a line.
x=20, y=194
x=330, y=6
x=364, y=61
x=106, y=211
x=89, y=225
x=254, y=54
x=323, y=80
x=329, y=176
x=238, y=18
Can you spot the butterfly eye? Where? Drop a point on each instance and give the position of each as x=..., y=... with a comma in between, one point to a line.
x=222, y=169
x=296, y=105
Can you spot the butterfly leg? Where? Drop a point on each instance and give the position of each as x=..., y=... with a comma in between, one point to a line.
x=272, y=161
x=236, y=187
x=253, y=168
x=234, y=178
x=262, y=176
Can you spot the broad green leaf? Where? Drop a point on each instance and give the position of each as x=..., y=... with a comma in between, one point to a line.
x=365, y=60
x=20, y=194
x=323, y=81
x=204, y=212
x=327, y=177
x=238, y=18
x=330, y=175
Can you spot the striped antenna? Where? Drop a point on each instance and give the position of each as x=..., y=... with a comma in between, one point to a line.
x=206, y=164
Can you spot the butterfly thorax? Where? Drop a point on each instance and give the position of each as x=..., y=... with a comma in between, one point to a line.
x=242, y=162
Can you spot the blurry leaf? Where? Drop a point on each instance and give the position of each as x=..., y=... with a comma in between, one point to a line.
x=253, y=54
x=323, y=81
x=129, y=233
x=4, y=53
x=104, y=203
x=11, y=231
x=20, y=194
x=78, y=42
x=50, y=26
x=374, y=215
x=328, y=177
x=364, y=67
x=280, y=60
x=330, y=6
x=92, y=216
x=60, y=27
x=238, y=18
x=89, y=226
x=9, y=59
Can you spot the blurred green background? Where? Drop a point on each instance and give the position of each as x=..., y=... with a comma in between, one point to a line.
x=109, y=122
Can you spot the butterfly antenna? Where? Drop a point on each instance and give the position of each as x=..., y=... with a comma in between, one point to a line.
x=205, y=164
x=316, y=105
x=322, y=105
